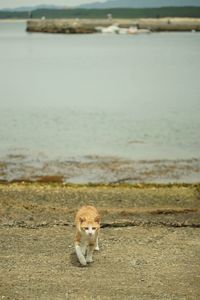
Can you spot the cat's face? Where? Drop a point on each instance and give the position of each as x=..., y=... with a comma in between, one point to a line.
x=89, y=228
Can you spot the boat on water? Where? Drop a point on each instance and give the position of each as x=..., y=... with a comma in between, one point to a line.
x=120, y=30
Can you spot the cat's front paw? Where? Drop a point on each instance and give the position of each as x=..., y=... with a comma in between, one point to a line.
x=96, y=248
x=83, y=261
x=89, y=259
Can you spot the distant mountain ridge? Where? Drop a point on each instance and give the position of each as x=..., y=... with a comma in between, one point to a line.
x=140, y=4
x=112, y=4
x=32, y=7
x=120, y=13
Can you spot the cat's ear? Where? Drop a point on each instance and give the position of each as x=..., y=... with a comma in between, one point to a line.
x=82, y=219
x=97, y=219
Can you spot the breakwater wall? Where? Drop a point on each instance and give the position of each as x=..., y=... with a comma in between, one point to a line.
x=91, y=25
x=74, y=25
x=170, y=24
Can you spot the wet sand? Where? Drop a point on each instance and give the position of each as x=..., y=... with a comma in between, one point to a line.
x=97, y=169
x=149, y=243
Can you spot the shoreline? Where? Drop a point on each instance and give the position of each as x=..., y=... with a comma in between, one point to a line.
x=98, y=170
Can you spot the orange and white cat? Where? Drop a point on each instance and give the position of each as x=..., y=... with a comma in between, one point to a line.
x=87, y=230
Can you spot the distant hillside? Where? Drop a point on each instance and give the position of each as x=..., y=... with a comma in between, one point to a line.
x=193, y=12
x=140, y=4
x=111, y=4
x=30, y=8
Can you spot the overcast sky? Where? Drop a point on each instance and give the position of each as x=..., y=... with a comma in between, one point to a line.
x=17, y=3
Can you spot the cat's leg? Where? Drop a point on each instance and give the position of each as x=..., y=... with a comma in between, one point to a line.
x=84, y=248
x=97, y=244
x=79, y=254
x=90, y=251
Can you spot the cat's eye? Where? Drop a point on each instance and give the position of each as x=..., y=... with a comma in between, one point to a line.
x=86, y=228
x=93, y=228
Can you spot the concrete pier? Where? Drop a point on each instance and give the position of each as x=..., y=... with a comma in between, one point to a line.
x=71, y=26
x=170, y=24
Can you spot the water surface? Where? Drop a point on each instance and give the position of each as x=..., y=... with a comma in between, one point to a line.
x=70, y=97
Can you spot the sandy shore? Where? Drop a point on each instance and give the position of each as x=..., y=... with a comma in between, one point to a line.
x=149, y=245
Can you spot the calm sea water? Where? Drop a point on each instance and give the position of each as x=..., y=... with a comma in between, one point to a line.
x=64, y=96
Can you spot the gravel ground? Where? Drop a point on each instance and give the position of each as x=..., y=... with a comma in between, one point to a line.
x=149, y=243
